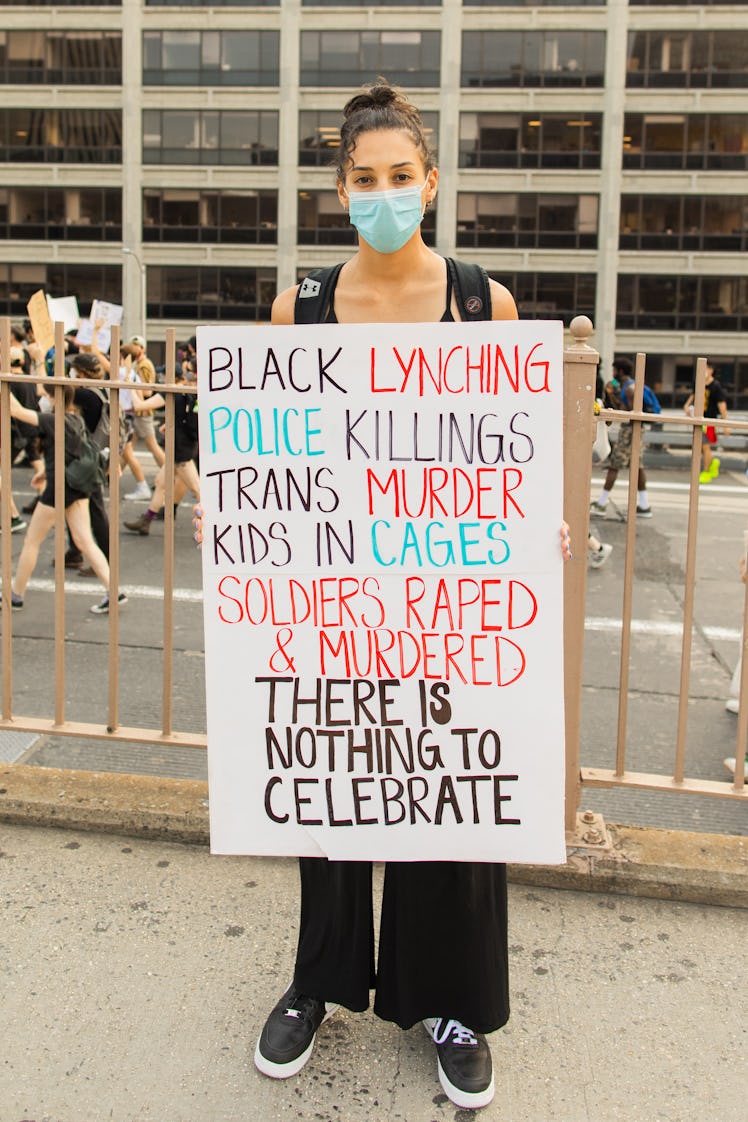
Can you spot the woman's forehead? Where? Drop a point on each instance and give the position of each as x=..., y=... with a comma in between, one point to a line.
x=390, y=146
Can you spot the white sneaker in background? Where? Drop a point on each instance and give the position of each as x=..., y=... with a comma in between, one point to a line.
x=598, y=557
x=142, y=491
x=732, y=705
x=730, y=765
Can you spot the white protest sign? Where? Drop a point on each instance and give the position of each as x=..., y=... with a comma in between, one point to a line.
x=104, y=314
x=64, y=309
x=383, y=589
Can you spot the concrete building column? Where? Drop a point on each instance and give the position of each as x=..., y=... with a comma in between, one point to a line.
x=614, y=100
x=134, y=277
x=288, y=142
x=449, y=125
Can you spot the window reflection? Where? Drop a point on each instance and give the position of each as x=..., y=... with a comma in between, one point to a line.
x=210, y=293
x=686, y=141
x=532, y=58
x=527, y=221
x=530, y=140
x=245, y=217
x=228, y=136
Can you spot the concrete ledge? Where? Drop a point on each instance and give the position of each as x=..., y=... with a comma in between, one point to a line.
x=113, y=803
x=664, y=864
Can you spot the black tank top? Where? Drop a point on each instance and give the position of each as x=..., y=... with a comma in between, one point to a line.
x=446, y=317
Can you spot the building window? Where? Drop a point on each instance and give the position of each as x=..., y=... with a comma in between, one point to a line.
x=61, y=136
x=322, y=221
x=530, y=140
x=367, y=4
x=210, y=293
x=64, y=3
x=527, y=221
x=682, y=303
x=348, y=58
x=208, y=3
x=686, y=141
x=697, y=59
x=551, y=295
x=244, y=217
x=69, y=58
x=227, y=136
x=61, y=214
x=319, y=135
x=536, y=3
x=18, y=283
x=532, y=58
x=685, y=222
x=211, y=58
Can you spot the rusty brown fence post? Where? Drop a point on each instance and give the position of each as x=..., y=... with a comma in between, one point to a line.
x=580, y=369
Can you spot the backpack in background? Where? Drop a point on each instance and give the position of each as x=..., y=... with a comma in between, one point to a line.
x=650, y=402
x=85, y=472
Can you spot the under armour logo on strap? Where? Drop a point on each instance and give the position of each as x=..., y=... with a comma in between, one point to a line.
x=309, y=288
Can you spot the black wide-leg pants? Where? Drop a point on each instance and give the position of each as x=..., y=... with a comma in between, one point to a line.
x=442, y=940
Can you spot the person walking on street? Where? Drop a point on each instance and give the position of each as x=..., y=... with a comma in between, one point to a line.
x=715, y=405
x=143, y=425
x=619, y=393
x=76, y=502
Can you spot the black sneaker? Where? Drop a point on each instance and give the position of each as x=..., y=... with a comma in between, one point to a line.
x=287, y=1040
x=16, y=601
x=464, y=1058
x=102, y=608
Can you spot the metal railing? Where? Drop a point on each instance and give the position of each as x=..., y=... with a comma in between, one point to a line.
x=58, y=724
x=580, y=366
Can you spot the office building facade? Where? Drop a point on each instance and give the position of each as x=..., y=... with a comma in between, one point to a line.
x=594, y=158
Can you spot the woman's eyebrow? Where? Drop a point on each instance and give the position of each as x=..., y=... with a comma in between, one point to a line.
x=402, y=164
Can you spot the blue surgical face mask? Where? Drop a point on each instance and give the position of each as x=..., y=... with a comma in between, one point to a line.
x=386, y=220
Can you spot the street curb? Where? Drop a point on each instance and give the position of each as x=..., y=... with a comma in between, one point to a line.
x=664, y=864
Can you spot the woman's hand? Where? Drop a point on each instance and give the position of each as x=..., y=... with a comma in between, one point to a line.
x=39, y=480
x=197, y=522
x=565, y=541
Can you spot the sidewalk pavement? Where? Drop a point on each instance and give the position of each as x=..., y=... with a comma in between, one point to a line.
x=137, y=975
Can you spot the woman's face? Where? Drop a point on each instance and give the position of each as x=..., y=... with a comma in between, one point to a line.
x=386, y=159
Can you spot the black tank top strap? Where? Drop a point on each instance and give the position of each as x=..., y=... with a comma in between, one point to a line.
x=447, y=316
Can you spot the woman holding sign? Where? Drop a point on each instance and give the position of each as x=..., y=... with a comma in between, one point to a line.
x=443, y=931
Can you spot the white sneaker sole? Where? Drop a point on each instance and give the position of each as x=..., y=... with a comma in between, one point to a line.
x=285, y=1071
x=462, y=1098
x=465, y=1099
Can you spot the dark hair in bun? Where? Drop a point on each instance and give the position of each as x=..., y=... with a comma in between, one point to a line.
x=380, y=106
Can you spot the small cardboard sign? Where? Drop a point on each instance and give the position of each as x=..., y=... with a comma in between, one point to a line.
x=383, y=589
x=41, y=321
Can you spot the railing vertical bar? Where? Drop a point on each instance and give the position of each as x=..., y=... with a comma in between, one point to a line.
x=59, y=601
x=6, y=561
x=114, y=409
x=690, y=575
x=742, y=733
x=628, y=567
x=168, y=683
x=580, y=366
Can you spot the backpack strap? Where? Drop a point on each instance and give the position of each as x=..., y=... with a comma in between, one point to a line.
x=472, y=291
x=314, y=295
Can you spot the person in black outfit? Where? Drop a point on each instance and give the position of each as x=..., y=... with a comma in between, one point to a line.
x=186, y=475
x=442, y=945
x=90, y=401
x=715, y=405
x=76, y=503
x=443, y=930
